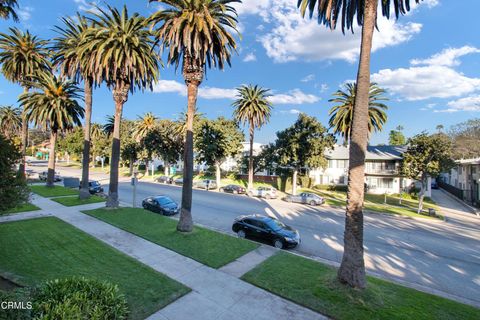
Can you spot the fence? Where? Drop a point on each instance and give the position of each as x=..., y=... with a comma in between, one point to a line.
x=453, y=190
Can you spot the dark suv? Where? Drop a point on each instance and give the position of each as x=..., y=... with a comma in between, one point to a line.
x=267, y=229
x=94, y=187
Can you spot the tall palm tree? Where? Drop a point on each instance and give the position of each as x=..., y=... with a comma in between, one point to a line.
x=53, y=106
x=341, y=115
x=7, y=9
x=123, y=56
x=109, y=125
x=197, y=34
x=363, y=12
x=252, y=107
x=10, y=121
x=71, y=63
x=23, y=57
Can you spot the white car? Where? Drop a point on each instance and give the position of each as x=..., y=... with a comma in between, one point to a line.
x=263, y=192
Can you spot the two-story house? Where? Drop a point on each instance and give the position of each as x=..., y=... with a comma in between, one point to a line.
x=465, y=180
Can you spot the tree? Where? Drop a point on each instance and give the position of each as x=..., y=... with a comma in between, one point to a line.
x=72, y=142
x=7, y=9
x=10, y=121
x=100, y=143
x=13, y=187
x=197, y=34
x=218, y=140
x=171, y=148
x=143, y=127
x=303, y=146
x=329, y=12
x=54, y=107
x=465, y=137
x=122, y=56
x=71, y=62
x=341, y=115
x=23, y=57
x=130, y=154
x=252, y=107
x=439, y=128
x=426, y=156
x=265, y=160
x=396, y=137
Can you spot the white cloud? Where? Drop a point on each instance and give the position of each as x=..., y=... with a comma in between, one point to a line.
x=250, y=57
x=448, y=57
x=471, y=103
x=308, y=78
x=25, y=13
x=295, y=96
x=88, y=6
x=324, y=87
x=431, y=3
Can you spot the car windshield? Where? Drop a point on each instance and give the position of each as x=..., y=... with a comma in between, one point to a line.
x=94, y=183
x=164, y=200
x=274, y=224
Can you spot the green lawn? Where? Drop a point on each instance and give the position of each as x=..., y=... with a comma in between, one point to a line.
x=21, y=208
x=314, y=285
x=55, y=191
x=208, y=247
x=75, y=201
x=36, y=250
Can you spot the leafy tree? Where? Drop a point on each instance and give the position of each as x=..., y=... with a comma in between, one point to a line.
x=266, y=160
x=122, y=57
x=72, y=142
x=341, y=115
x=7, y=9
x=54, y=107
x=144, y=125
x=303, y=145
x=151, y=143
x=465, y=137
x=72, y=61
x=218, y=139
x=130, y=154
x=198, y=35
x=100, y=143
x=13, y=187
x=364, y=13
x=172, y=147
x=426, y=156
x=23, y=57
x=396, y=137
x=252, y=107
x=10, y=121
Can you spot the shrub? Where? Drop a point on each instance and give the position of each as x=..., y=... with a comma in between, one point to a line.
x=331, y=187
x=141, y=167
x=79, y=298
x=18, y=296
x=306, y=181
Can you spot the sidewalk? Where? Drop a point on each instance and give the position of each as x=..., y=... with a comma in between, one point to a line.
x=216, y=294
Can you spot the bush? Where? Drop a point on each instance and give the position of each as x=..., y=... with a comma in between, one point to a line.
x=79, y=298
x=306, y=181
x=331, y=187
x=141, y=167
x=21, y=296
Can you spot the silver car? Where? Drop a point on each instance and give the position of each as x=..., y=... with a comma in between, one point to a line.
x=263, y=192
x=306, y=198
x=206, y=184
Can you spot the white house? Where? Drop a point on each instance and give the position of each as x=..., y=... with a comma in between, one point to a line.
x=465, y=179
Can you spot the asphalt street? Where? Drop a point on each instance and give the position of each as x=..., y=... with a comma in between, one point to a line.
x=443, y=256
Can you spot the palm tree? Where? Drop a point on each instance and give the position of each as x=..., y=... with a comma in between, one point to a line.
x=7, y=9
x=197, y=34
x=23, y=56
x=53, y=106
x=10, y=121
x=341, y=115
x=180, y=126
x=123, y=56
x=364, y=12
x=71, y=63
x=109, y=125
x=253, y=108
x=143, y=126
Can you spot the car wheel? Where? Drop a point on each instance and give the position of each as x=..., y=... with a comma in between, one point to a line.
x=278, y=244
x=313, y=203
x=250, y=194
x=144, y=206
x=235, y=192
x=221, y=190
x=241, y=234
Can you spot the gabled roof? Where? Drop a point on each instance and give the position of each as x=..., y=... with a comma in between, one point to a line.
x=340, y=152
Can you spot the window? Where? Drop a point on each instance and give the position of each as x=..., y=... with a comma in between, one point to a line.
x=331, y=163
x=342, y=164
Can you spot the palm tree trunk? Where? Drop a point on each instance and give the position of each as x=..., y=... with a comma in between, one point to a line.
x=130, y=166
x=250, y=158
x=21, y=167
x=185, y=223
x=84, y=192
x=294, y=181
x=51, y=159
x=352, y=268
x=120, y=95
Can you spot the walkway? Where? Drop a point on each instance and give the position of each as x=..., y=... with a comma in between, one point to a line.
x=216, y=294
x=457, y=213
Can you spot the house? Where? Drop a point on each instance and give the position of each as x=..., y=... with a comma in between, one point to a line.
x=463, y=180
x=382, y=169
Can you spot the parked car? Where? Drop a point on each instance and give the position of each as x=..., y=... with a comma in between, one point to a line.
x=164, y=179
x=434, y=185
x=306, y=198
x=29, y=173
x=206, y=184
x=161, y=204
x=233, y=188
x=94, y=187
x=263, y=192
x=178, y=181
x=266, y=228
x=43, y=176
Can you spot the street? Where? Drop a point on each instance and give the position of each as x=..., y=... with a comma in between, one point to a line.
x=443, y=256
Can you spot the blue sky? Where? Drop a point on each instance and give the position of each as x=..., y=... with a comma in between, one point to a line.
x=429, y=61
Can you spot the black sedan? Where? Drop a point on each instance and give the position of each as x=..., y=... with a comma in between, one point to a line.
x=267, y=229
x=306, y=198
x=164, y=179
x=94, y=187
x=161, y=204
x=233, y=188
